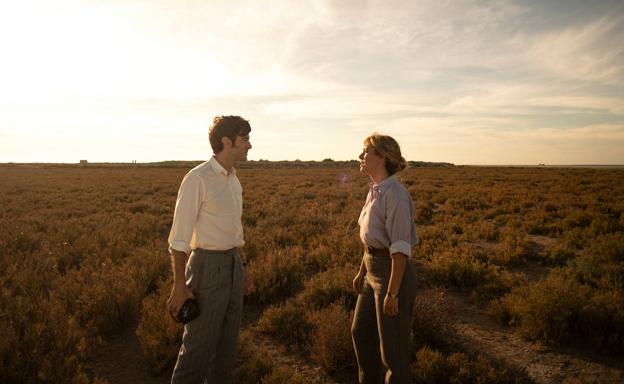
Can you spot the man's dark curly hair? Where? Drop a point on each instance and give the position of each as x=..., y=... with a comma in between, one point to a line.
x=227, y=126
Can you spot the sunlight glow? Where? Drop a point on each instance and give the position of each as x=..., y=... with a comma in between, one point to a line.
x=445, y=78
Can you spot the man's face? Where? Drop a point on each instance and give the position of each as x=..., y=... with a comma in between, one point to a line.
x=240, y=148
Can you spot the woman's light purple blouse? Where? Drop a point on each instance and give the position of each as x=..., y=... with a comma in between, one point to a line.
x=387, y=219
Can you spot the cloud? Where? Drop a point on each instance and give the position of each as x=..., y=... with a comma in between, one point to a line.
x=590, y=51
x=460, y=74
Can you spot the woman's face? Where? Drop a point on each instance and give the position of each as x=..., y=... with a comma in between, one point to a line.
x=370, y=162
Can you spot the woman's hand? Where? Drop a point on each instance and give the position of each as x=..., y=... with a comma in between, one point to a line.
x=358, y=282
x=391, y=306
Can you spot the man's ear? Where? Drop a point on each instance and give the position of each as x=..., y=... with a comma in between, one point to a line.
x=227, y=143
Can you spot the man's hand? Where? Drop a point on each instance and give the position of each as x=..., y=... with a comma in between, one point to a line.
x=391, y=306
x=179, y=294
x=358, y=282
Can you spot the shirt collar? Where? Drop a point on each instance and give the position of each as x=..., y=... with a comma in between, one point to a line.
x=218, y=168
x=380, y=188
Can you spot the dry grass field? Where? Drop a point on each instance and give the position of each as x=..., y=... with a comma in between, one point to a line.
x=521, y=273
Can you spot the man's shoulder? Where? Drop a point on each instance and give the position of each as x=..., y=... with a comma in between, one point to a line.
x=202, y=170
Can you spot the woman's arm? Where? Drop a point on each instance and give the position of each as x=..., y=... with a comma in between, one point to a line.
x=359, y=278
x=399, y=222
x=391, y=301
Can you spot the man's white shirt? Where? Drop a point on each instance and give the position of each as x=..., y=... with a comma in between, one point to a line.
x=208, y=210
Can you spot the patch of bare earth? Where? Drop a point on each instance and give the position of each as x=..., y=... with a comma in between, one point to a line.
x=544, y=364
x=120, y=361
x=311, y=373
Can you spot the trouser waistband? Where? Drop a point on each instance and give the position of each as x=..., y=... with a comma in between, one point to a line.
x=202, y=251
x=378, y=251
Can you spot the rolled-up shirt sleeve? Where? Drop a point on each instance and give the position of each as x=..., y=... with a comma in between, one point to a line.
x=186, y=212
x=399, y=222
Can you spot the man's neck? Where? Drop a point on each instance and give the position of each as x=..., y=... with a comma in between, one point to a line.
x=226, y=161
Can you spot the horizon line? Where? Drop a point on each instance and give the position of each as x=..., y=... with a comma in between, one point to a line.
x=132, y=162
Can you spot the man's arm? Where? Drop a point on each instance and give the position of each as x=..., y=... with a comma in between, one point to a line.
x=184, y=218
x=180, y=292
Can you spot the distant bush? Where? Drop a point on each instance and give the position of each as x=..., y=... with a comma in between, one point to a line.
x=514, y=249
x=424, y=212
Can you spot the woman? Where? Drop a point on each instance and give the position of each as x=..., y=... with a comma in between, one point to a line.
x=386, y=282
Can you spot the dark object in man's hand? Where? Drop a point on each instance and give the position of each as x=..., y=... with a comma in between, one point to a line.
x=188, y=312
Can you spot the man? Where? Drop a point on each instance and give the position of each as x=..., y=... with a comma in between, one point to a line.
x=207, y=225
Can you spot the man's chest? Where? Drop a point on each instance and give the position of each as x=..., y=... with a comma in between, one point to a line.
x=223, y=197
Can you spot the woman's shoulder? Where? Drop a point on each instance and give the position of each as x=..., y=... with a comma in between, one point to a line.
x=396, y=190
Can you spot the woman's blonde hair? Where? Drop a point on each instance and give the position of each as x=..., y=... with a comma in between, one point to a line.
x=389, y=149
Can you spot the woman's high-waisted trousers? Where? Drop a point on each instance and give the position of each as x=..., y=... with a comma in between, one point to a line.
x=382, y=342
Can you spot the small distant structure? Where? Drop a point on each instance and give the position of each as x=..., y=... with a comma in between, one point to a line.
x=541, y=165
x=134, y=164
x=83, y=163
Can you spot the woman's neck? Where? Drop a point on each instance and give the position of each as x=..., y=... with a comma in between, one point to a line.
x=379, y=176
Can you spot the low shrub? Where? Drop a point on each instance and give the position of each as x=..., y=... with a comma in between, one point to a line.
x=276, y=276
x=424, y=212
x=601, y=322
x=329, y=286
x=547, y=310
x=577, y=219
x=434, y=319
x=431, y=366
x=464, y=272
x=41, y=342
x=331, y=344
x=283, y=375
x=252, y=363
x=514, y=249
x=158, y=334
x=559, y=255
x=456, y=270
x=287, y=322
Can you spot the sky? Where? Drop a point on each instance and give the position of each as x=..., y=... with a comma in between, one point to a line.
x=466, y=82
